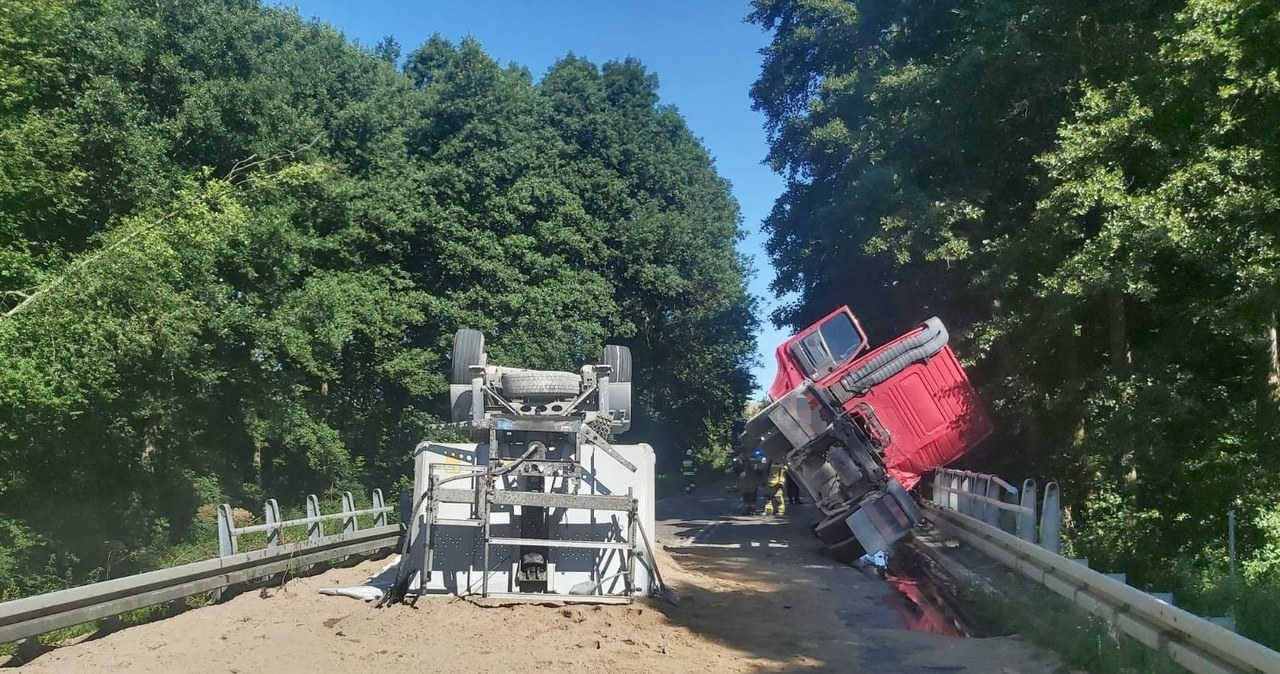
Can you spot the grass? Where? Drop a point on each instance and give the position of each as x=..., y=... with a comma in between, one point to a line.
x=1253, y=603
x=1082, y=641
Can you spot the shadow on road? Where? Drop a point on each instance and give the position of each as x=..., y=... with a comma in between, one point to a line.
x=761, y=586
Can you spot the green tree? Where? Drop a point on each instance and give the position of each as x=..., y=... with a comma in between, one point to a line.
x=234, y=248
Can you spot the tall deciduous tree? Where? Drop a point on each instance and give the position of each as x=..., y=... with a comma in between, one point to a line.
x=234, y=248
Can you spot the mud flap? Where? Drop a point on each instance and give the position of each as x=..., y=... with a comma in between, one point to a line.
x=884, y=517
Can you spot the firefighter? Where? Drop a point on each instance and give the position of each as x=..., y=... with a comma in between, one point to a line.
x=744, y=469
x=775, y=483
x=689, y=469
x=793, y=489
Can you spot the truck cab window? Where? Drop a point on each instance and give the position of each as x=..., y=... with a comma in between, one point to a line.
x=841, y=336
x=833, y=342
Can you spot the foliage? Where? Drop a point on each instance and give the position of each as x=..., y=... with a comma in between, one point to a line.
x=234, y=248
x=1088, y=194
x=1252, y=602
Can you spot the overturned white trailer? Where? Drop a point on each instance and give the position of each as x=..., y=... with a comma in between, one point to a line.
x=540, y=505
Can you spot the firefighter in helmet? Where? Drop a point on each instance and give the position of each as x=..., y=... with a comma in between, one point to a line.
x=689, y=469
x=774, y=484
x=742, y=467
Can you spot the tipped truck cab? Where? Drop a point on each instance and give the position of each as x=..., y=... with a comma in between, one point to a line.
x=858, y=429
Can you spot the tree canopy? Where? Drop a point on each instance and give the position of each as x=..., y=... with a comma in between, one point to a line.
x=235, y=246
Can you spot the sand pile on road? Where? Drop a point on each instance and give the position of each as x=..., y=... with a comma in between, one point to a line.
x=742, y=609
x=295, y=629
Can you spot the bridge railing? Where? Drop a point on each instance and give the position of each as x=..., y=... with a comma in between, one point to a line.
x=996, y=502
x=22, y=620
x=229, y=534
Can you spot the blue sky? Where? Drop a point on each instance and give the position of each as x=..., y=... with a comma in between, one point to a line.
x=705, y=57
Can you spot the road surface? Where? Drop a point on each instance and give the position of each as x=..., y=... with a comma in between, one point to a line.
x=755, y=594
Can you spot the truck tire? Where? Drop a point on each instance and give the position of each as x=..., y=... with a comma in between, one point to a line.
x=541, y=383
x=618, y=358
x=921, y=346
x=847, y=551
x=468, y=350
x=462, y=407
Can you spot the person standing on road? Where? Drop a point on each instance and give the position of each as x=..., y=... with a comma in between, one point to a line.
x=689, y=469
x=793, y=489
x=776, y=477
x=744, y=469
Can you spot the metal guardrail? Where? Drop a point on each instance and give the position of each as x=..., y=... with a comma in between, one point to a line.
x=998, y=503
x=1195, y=643
x=229, y=533
x=32, y=616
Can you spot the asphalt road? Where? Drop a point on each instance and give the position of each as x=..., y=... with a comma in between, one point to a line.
x=857, y=618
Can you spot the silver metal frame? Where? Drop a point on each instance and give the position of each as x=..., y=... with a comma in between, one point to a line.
x=482, y=496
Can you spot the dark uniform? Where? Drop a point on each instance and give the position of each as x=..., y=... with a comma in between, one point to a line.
x=793, y=489
x=742, y=467
x=689, y=469
x=748, y=481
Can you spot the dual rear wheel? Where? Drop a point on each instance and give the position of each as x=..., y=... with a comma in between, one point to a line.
x=468, y=352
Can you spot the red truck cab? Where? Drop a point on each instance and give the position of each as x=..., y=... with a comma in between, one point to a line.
x=911, y=392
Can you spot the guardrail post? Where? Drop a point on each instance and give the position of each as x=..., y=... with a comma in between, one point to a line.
x=981, y=487
x=1027, y=515
x=271, y=512
x=1051, y=520
x=966, y=503
x=1009, y=517
x=1229, y=622
x=30, y=648
x=349, y=523
x=226, y=540
x=109, y=624
x=406, y=507
x=226, y=531
x=379, y=519
x=992, y=512
x=1231, y=543
x=315, y=531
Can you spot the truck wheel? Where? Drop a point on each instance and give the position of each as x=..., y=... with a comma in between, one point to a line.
x=468, y=350
x=462, y=407
x=541, y=383
x=832, y=530
x=847, y=551
x=618, y=358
